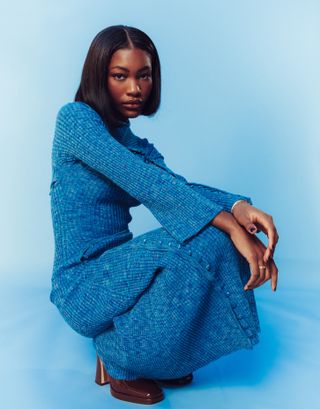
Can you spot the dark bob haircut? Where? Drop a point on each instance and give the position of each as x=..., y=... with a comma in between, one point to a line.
x=93, y=85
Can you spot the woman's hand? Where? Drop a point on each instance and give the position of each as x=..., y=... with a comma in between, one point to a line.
x=254, y=220
x=253, y=250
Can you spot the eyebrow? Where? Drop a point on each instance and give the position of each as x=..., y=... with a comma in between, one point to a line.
x=126, y=69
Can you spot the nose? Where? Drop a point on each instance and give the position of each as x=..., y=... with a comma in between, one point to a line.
x=134, y=87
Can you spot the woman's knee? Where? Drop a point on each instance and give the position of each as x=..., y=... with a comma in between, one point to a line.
x=84, y=322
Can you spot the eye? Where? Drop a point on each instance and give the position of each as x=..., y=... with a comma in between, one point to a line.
x=117, y=76
x=146, y=76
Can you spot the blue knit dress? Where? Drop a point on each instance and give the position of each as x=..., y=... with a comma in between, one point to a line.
x=166, y=302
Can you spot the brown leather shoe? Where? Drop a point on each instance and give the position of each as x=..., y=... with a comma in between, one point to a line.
x=145, y=391
x=184, y=380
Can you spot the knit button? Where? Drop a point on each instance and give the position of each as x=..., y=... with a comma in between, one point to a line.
x=169, y=243
x=233, y=305
x=208, y=266
x=190, y=253
x=240, y=316
x=160, y=241
x=144, y=240
x=179, y=246
x=227, y=294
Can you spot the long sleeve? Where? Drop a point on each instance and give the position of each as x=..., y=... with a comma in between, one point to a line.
x=180, y=209
x=219, y=196
x=222, y=197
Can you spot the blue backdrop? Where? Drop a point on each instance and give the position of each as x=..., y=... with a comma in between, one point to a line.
x=241, y=92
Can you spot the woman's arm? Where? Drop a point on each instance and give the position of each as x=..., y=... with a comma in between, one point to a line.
x=81, y=134
x=224, y=198
x=219, y=196
x=226, y=222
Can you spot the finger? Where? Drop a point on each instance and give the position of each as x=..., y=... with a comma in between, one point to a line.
x=267, y=254
x=263, y=249
x=273, y=239
x=271, y=267
x=252, y=229
x=267, y=274
x=257, y=227
x=274, y=276
x=255, y=275
x=265, y=223
x=261, y=227
x=262, y=272
x=271, y=233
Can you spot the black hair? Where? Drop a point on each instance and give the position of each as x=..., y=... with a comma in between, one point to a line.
x=93, y=85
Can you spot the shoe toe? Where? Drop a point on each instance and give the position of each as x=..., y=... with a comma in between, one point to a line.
x=145, y=387
x=140, y=388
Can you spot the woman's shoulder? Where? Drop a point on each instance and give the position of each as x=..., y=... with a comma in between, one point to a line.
x=76, y=113
x=76, y=107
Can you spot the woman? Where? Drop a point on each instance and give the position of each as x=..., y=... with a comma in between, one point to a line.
x=169, y=301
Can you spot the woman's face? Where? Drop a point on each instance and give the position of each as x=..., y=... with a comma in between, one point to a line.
x=130, y=79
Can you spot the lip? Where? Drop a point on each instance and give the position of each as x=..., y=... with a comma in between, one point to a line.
x=132, y=104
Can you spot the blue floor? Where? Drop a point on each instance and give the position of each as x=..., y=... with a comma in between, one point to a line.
x=45, y=364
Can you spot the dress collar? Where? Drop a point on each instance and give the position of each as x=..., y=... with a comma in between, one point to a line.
x=124, y=124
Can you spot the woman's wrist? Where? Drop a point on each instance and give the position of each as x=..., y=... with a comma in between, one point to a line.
x=235, y=204
x=226, y=222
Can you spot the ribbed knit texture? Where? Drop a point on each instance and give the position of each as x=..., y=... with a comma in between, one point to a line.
x=161, y=304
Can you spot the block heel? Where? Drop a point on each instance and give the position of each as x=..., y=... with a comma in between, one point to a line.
x=141, y=390
x=102, y=377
